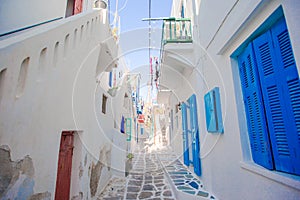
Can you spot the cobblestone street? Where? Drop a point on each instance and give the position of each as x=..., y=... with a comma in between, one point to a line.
x=146, y=180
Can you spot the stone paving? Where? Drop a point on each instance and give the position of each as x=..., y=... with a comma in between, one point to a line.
x=146, y=180
x=150, y=176
x=182, y=179
x=115, y=189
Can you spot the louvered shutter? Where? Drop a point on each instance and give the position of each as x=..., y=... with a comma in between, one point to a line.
x=186, y=158
x=281, y=92
x=257, y=127
x=195, y=134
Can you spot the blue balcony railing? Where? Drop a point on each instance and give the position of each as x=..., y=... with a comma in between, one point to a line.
x=177, y=31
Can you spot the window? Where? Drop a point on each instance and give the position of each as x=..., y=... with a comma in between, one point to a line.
x=22, y=77
x=213, y=111
x=110, y=79
x=182, y=10
x=104, y=100
x=172, y=123
x=2, y=79
x=271, y=93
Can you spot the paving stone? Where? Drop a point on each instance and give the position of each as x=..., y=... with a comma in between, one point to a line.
x=133, y=189
x=144, y=195
x=184, y=188
x=158, y=181
x=167, y=193
x=157, y=193
x=194, y=185
x=112, y=198
x=159, y=177
x=159, y=184
x=135, y=183
x=189, y=191
x=203, y=194
x=188, y=176
x=131, y=196
x=179, y=184
x=148, y=187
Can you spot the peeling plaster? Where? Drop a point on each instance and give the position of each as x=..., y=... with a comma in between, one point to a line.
x=16, y=177
x=41, y=196
x=104, y=160
x=78, y=197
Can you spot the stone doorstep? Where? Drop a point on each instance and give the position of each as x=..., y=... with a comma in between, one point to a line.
x=190, y=185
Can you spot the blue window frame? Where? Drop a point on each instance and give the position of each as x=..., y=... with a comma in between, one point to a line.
x=271, y=92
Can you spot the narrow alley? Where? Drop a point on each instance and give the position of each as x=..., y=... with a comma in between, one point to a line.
x=150, y=99
x=150, y=176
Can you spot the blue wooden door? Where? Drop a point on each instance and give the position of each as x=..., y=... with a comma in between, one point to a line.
x=195, y=134
x=186, y=157
x=191, y=144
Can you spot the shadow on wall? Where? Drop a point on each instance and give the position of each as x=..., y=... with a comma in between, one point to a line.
x=16, y=178
x=96, y=169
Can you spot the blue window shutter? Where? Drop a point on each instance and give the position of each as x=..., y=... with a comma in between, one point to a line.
x=256, y=119
x=281, y=92
x=186, y=158
x=195, y=134
x=182, y=10
x=110, y=79
x=122, y=128
x=213, y=111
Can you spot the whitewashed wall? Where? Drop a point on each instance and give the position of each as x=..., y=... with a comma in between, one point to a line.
x=59, y=94
x=16, y=14
x=220, y=28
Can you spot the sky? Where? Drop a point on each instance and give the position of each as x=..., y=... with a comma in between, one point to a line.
x=134, y=36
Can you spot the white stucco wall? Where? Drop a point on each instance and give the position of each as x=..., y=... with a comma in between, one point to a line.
x=59, y=94
x=15, y=15
x=227, y=169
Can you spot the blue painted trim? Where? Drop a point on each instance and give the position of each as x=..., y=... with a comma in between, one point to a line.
x=28, y=27
x=195, y=134
x=186, y=158
x=213, y=111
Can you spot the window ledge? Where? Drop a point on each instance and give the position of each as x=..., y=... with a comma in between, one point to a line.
x=289, y=180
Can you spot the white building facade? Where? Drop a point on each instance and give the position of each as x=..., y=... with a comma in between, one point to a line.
x=60, y=125
x=233, y=78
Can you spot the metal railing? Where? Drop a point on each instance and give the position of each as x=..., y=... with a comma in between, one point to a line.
x=177, y=31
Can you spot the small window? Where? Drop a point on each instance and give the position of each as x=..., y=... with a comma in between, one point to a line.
x=75, y=38
x=104, y=100
x=42, y=62
x=66, y=45
x=171, y=116
x=122, y=126
x=177, y=107
x=2, y=79
x=55, y=54
x=22, y=77
x=110, y=80
x=213, y=111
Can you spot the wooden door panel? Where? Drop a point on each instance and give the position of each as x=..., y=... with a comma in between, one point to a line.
x=63, y=180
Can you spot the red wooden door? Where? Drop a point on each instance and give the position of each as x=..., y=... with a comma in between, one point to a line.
x=63, y=179
x=77, y=6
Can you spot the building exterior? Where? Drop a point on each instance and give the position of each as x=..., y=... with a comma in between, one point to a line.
x=228, y=99
x=60, y=122
x=230, y=76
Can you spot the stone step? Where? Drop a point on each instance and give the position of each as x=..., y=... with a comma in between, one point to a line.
x=185, y=184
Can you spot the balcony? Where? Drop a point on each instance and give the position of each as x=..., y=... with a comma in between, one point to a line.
x=177, y=31
x=177, y=51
